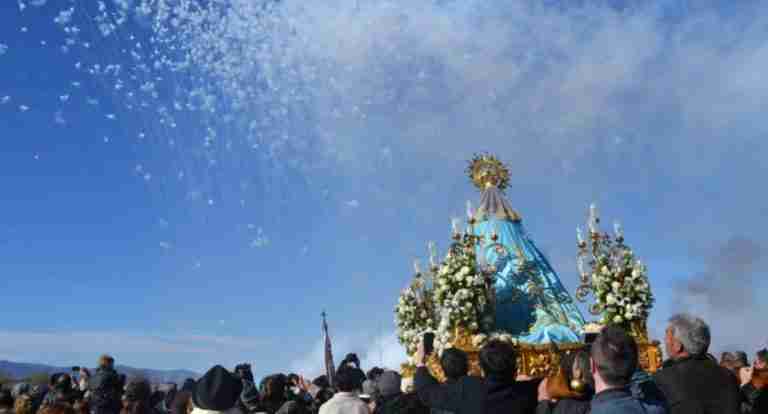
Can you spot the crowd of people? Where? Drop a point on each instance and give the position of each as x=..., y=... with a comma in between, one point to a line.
x=603, y=378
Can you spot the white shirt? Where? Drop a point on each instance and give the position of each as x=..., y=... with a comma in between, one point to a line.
x=344, y=403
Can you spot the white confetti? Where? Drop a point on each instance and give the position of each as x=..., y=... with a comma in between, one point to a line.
x=5, y=99
x=111, y=116
x=165, y=245
x=106, y=140
x=37, y=3
x=3, y=49
x=23, y=108
x=59, y=118
x=65, y=16
x=64, y=98
x=24, y=29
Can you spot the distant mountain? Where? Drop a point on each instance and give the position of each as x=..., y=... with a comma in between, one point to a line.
x=20, y=370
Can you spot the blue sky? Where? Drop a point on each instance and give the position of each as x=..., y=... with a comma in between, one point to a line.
x=190, y=194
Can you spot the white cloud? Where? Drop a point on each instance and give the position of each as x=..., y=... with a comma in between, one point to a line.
x=373, y=350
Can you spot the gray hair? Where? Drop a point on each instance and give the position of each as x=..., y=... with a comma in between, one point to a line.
x=692, y=332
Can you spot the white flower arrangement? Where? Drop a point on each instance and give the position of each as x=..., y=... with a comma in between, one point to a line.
x=621, y=286
x=459, y=294
x=414, y=315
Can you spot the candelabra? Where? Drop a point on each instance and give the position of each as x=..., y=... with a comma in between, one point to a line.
x=597, y=247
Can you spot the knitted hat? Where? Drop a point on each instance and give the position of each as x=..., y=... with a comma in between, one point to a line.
x=389, y=383
x=217, y=390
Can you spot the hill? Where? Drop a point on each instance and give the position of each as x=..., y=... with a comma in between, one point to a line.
x=20, y=370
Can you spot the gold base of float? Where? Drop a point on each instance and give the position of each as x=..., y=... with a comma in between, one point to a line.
x=538, y=361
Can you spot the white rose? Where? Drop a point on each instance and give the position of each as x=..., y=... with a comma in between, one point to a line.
x=465, y=270
x=605, y=270
x=616, y=286
x=610, y=299
x=618, y=319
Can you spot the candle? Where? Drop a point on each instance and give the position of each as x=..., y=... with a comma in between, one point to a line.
x=579, y=235
x=455, y=225
x=618, y=229
x=416, y=266
x=580, y=264
x=432, y=254
x=470, y=210
x=593, y=218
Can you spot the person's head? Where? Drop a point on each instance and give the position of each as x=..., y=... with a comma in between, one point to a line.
x=6, y=399
x=498, y=360
x=106, y=362
x=614, y=358
x=734, y=361
x=346, y=379
x=455, y=363
x=351, y=359
x=20, y=389
x=686, y=336
x=274, y=387
x=761, y=359
x=389, y=384
x=24, y=405
x=136, y=397
x=373, y=373
x=243, y=371
x=217, y=390
x=57, y=408
x=577, y=372
x=62, y=383
x=321, y=381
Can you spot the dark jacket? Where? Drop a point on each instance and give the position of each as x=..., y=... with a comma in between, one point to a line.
x=464, y=396
x=761, y=404
x=621, y=401
x=105, y=387
x=510, y=396
x=750, y=394
x=401, y=404
x=567, y=406
x=698, y=385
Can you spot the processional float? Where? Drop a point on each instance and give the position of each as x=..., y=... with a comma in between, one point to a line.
x=494, y=283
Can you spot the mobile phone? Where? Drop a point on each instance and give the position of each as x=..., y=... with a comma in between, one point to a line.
x=429, y=343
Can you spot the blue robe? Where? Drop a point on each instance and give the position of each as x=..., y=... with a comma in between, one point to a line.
x=531, y=303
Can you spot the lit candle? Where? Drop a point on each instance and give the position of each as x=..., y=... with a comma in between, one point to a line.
x=593, y=218
x=416, y=266
x=470, y=210
x=455, y=225
x=579, y=235
x=618, y=229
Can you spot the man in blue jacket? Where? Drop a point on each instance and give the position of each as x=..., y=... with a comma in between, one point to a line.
x=614, y=362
